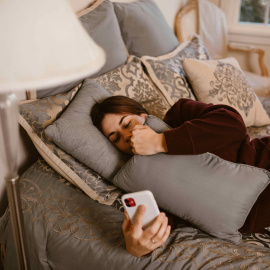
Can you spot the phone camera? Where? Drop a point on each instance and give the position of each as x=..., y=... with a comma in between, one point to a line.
x=130, y=202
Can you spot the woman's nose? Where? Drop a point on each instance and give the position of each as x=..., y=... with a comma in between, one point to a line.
x=127, y=135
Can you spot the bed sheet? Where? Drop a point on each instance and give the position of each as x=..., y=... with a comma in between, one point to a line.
x=65, y=229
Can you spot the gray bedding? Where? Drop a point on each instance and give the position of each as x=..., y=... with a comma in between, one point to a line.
x=66, y=229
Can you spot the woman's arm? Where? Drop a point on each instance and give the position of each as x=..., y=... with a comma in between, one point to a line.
x=200, y=128
x=197, y=128
x=140, y=242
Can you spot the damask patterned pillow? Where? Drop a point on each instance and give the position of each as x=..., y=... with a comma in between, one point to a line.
x=223, y=82
x=167, y=72
x=130, y=80
x=35, y=116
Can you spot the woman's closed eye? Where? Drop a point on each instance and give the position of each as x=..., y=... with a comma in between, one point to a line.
x=127, y=125
x=116, y=139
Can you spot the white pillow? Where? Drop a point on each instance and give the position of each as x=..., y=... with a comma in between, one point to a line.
x=223, y=82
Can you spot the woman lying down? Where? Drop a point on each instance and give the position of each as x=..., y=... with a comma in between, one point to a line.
x=197, y=128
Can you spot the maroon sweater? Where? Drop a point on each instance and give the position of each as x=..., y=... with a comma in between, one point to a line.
x=219, y=129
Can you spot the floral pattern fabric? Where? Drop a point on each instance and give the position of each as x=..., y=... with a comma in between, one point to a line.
x=130, y=80
x=231, y=85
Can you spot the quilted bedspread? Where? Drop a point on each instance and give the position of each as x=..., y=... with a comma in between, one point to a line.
x=65, y=229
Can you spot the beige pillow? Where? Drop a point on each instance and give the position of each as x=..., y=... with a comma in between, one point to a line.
x=223, y=82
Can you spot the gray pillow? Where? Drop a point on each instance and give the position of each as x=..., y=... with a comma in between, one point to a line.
x=213, y=194
x=156, y=124
x=101, y=24
x=75, y=133
x=144, y=28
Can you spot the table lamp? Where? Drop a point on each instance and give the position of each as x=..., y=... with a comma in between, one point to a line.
x=42, y=45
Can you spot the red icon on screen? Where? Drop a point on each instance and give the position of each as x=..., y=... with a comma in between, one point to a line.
x=130, y=202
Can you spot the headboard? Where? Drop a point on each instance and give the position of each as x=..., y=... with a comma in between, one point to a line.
x=27, y=152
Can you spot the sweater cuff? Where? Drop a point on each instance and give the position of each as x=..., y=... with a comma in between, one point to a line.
x=178, y=141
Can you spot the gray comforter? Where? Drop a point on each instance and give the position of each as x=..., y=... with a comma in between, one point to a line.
x=65, y=229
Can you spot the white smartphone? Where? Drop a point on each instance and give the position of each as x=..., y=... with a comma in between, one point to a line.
x=131, y=201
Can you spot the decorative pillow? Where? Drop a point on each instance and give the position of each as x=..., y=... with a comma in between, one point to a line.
x=130, y=80
x=213, y=194
x=144, y=28
x=167, y=72
x=35, y=116
x=101, y=23
x=223, y=82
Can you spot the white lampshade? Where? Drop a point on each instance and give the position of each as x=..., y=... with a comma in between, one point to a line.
x=43, y=45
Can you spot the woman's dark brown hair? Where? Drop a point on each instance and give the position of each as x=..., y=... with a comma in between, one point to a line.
x=115, y=105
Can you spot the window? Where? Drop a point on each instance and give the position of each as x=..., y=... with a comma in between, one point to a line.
x=248, y=20
x=255, y=12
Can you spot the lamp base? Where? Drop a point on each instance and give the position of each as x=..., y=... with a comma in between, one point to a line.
x=13, y=193
x=10, y=132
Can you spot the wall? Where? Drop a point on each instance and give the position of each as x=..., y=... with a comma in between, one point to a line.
x=216, y=2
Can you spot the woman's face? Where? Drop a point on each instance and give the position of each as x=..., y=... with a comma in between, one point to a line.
x=118, y=129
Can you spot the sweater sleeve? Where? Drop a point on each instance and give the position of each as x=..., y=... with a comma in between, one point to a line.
x=199, y=128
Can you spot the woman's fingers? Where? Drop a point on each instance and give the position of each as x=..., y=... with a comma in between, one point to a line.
x=126, y=223
x=140, y=127
x=166, y=235
x=138, y=241
x=139, y=218
x=145, y=141
x=162, y=230
x=154, y=229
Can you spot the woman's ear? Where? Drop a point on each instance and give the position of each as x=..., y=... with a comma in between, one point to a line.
x=143, y=115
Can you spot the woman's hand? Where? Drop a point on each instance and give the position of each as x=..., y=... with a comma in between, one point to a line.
x=140, y=242
x=145, y=141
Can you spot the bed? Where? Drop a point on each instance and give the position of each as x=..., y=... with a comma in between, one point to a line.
x=72, y=209
x=66, y=229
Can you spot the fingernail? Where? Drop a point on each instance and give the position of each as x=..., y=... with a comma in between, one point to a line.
x=169, y=227
x=142, y=207
x=163, y=215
